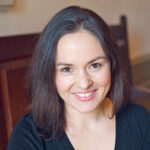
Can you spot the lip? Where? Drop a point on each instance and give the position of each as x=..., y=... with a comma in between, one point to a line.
x=84, y=99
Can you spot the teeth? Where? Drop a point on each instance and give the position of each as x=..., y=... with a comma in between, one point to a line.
x=84, y=94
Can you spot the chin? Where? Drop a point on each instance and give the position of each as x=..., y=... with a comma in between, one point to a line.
x=87, y=109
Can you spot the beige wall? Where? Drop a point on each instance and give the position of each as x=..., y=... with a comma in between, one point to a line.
x=29, y=16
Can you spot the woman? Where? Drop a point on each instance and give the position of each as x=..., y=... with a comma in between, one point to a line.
x=77, y=91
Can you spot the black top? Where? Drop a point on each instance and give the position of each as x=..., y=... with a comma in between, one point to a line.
x=132, y=132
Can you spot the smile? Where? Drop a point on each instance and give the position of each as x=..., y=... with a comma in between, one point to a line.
x=85, y=96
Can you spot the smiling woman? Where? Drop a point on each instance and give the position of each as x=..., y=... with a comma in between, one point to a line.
x=77, y=91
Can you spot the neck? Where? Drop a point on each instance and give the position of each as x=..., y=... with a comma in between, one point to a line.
x=75, y=119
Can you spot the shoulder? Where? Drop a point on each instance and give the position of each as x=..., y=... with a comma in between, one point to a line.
x=133, y=111
x=134, y=123
x=134, y=117
x=26, y=122
x=134, y=114
x=25, y=135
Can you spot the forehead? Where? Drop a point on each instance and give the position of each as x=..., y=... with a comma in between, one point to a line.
x=78, y=45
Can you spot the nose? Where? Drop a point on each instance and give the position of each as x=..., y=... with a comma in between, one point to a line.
x=84, y=81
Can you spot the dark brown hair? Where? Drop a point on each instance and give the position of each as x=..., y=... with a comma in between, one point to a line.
x=47, y=106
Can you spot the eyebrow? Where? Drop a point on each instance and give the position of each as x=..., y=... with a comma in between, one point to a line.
x=91, y=61
x=97, y=58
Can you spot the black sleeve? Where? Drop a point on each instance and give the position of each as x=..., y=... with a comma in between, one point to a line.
x=25, y=136
x=146, y=138
x=134, y=128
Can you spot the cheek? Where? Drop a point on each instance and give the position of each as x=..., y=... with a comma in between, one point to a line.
x=62, y=83
x=104, y=78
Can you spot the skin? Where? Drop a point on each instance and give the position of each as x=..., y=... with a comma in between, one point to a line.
x=83, y=79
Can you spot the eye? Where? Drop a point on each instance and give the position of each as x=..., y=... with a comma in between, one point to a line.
x=66, y=69
x=95, y=66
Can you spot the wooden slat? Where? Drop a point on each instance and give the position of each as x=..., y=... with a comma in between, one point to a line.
x=14, y=99
x=19, y=46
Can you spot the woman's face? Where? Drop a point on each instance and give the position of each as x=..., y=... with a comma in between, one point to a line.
x=83, y=75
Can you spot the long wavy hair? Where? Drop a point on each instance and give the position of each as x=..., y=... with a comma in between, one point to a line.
x=47, y=106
